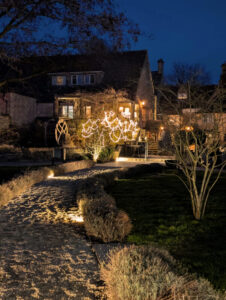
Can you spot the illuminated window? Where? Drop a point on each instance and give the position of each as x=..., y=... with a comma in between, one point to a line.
x=82, y=79
x=208, y=118
x=67, y=111
x=59, y=80
x=182, y=95
x=88, y=111
x=127, y=111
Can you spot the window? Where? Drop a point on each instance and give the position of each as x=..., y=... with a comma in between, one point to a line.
x=208, y=118
x=67, y=111
x=83, y=79
x=182, y=95
x=88, y=111
x=59, y=80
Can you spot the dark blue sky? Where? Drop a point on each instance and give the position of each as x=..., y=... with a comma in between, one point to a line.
x=188, y=31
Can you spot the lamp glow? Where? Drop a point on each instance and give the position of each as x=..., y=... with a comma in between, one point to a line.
x=51, y=174
x=76, y=217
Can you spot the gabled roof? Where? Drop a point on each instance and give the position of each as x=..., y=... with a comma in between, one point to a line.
x=121, y=71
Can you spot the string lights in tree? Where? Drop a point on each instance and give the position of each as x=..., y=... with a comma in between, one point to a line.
x=117, y=129
x=110, y=127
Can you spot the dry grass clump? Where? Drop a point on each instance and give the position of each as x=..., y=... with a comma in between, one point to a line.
x=200, y=289
x=101, y=217
x=140, y=273
x=149, y=273
x=20, y=184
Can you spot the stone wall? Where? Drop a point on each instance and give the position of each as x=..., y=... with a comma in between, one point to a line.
x=72, y=166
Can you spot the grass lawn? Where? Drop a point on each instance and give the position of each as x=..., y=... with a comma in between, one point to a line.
x=160, y=209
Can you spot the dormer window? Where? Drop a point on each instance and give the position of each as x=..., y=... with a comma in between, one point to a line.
x=83, y=79
x=182, y=95
x=59, y=80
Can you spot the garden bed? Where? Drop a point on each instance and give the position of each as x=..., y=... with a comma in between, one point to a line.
x=160, y=210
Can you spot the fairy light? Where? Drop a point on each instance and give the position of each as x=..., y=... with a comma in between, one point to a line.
x=118, y=130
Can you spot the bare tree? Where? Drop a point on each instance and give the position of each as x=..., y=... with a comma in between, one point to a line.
x=196, y=126
x=194, y=74
x=45, y=27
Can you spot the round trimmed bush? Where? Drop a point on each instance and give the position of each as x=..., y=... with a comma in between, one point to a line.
x=104, y=221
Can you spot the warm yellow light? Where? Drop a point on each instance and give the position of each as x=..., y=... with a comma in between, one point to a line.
x=120, y=108
x=95, y=156
x=122, y=159
x=51, y=174
x=188, y=128
x=76, y=217
x=162, y=128
x=143, y=103
x=118, y=130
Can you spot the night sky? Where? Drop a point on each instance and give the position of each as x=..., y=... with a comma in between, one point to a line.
x=187, y=31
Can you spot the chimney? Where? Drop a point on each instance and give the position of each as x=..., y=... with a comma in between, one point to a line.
x=223, y=75
x=160, y=66
x=223, y=67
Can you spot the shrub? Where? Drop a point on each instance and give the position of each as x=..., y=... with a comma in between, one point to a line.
x=140, y=273
x=104, y=221
x=149, y=273
x=202, y=290
x=106, y=154
x=20, y=184
x=95, y=193
x=108, y=178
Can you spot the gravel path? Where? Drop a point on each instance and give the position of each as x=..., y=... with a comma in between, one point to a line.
x=43, y=255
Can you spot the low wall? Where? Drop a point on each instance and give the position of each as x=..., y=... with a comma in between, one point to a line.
x=72, y=166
